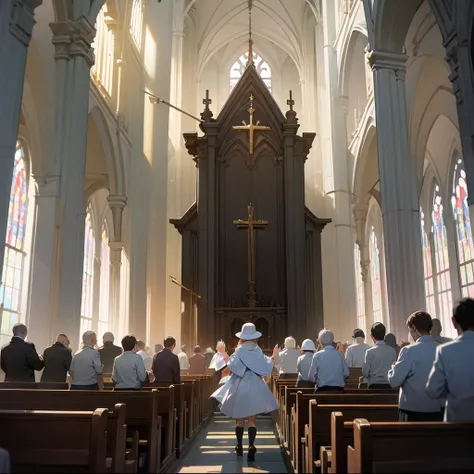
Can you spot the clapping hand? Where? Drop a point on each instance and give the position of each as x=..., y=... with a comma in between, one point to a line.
x=276, y=350
x=221, y=347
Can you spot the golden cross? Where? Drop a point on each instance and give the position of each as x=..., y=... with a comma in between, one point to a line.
x=251, y=127
x=252, y=225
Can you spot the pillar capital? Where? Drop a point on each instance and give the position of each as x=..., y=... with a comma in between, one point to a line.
x=387, y=60
x=364, y=270
x=117, y=204
x=117, y=201
x=73, y=38
x=22, y=19
x=47, y=185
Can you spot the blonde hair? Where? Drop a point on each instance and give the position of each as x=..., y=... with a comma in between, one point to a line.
x=290, y=342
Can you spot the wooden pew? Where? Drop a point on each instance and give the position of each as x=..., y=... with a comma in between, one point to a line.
x=147, y=413
x=411, y=447
x=34, y=385
x=55, y=441
x=318, y=430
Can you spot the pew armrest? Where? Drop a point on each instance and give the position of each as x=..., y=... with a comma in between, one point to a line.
x=324, y=459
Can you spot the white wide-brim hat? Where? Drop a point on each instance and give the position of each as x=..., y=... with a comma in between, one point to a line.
x=249, y=332
x=308, y=345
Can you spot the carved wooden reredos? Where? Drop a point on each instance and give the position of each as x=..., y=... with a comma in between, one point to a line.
x=216, y=253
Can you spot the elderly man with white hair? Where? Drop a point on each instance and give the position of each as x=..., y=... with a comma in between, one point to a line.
x=328, y=368
x=287, y=359
x=86, y=365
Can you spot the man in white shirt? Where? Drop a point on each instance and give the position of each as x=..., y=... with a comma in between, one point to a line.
x=183, y=359
x=355, y=353
x=452, y=375
x=328, y=368
x=86, y=365
x=436, y=332
x=147, y=359
x=287, y=359
x=378, y=359
x=129, y=369
x=411, y=371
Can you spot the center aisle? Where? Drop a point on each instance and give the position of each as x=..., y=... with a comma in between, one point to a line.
x=213, y=449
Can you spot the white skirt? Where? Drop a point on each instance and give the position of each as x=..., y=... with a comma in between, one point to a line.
x=245, y=396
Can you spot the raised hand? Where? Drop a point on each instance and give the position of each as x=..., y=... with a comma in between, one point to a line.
x=276, y=350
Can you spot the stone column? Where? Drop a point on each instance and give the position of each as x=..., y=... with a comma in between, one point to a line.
x=43, y=257
x=16, y=26
x=74, y=59
x=450, y=224
x=399, y=193
x=117, y=205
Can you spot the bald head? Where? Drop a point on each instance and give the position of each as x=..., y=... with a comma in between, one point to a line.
x=20, y=330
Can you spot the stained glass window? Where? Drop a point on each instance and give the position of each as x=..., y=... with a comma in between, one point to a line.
x=103, y=325
x=261, y=66
x=375, y=275
x=136, y=22
x=88, y=275
x=463, y=229
x=12, y=274
x=360, y=289
x=441, y=258
x=428, y=267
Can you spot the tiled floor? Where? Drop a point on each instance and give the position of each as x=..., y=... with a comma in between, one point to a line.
x=213, y=450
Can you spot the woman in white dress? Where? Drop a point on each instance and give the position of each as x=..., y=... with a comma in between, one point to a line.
x=246, y=394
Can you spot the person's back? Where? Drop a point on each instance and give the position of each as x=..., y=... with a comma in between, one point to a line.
x=57, y=361
x=452, y=375
x=183, y=359
x=197, y=363
x=108, y=352
x=355, y=353
x=436, y=332
x=166, y=364
x=86, y=365
x=287, y=358
x=378, y=359
x=19, y=358
x=143, y=353
x=303, y=366
x=129, y=368
x=328, y=368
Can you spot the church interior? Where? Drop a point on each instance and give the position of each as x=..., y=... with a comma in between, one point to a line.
x=183, y=167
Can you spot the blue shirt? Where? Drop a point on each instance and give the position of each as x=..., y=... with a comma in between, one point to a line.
x=85, y=367
x=129, y=370
x=378, y=361
x=452, y=377
x=303, y=366
x=411, y=372
x=328, y=368
x=355, y=354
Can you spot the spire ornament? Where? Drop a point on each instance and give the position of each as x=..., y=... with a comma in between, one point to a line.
x=250, y=55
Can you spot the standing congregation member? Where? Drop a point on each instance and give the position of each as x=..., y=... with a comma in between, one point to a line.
x=378, y=359
x=166, y=364
x=355, y=353
x=391, y=341
x=57, y=360
x=147, y=359
x=86, y=365
x=108, y=352
x=411, y=371
x=287, y=359
x=183, y=359
x=452, y=375
x=328, y=367
x=245, y=395
x=19, y=358
x=129, y=368
x=436, y=332
x=303, y=365
x=158, y=348
x=209, y=355
x=197, y=363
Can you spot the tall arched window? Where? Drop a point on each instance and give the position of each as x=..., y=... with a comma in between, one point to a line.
x=441, y=259
x=360, y=289
x=375, y=275
x=11, y=285
x=427, y=267
x=88, y=275
x=463, y=229
x=103, y=325
x=240, y=65
x=136, y=22
x=104, y=49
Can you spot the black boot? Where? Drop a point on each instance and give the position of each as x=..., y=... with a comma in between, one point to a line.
x=252, y=449
x=239, y=434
